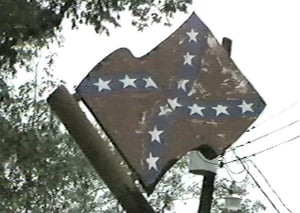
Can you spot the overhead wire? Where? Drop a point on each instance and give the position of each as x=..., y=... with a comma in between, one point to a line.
x=231, y=177
x=229, y=171
x=264, y=135
x=267, y=149
x=229, y=174
x=273, y=116
x=268, y=183
x=233, y=172
x=256, y=183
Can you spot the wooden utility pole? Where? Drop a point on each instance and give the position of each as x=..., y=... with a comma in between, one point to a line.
x=207, y=192
x=209, y=177
x=106, y=162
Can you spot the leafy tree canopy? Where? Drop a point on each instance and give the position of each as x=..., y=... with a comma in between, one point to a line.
x=42, y=169
x=28, y=25
x=39, y=160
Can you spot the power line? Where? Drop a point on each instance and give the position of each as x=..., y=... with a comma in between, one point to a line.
x=256, y=183
x=273, y=116
x=231, y=177
x=265, y=135
x=268, y=183
x=228, y=172
x=236, y=173
x=262, y=151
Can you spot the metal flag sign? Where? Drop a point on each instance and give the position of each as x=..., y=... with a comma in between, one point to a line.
x=186, y=94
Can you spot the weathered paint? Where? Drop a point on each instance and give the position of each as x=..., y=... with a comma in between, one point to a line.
x=198, y=100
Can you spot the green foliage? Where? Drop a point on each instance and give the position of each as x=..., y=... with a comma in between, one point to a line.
x=24, y=25
x=28, y=26
x=3, y=90
x=179, y=186
x=171, y=188
x=222, y=190
x=42, y=169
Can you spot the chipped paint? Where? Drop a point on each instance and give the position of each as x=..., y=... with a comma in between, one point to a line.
x=226, y=70
x=165, y=110
x=212, y=42
x=148, y=120
x=198, y=87
x=212, y=122
x=143, y=118
x=221, y=135
x=204, y=69
x=197, y=121
x=192, y=91
x=242, y=87
x=240, y=82
x=181, y=41
x=220, y=61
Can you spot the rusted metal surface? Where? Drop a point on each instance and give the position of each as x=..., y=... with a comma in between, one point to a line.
x=186, y=94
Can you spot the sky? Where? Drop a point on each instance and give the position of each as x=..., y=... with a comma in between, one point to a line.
x=266, y=44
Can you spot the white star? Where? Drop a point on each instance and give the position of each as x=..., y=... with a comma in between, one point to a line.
x=174, y=103
x=246, y=107
x=155, y=133
x=164, y=110
x=192, y=35
x=182, y=84
x=128, y=81
x=152, y=162
x=196, y=109
x=102, y=85
x=188, y=58
x=221, y=109
x=149, y=82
